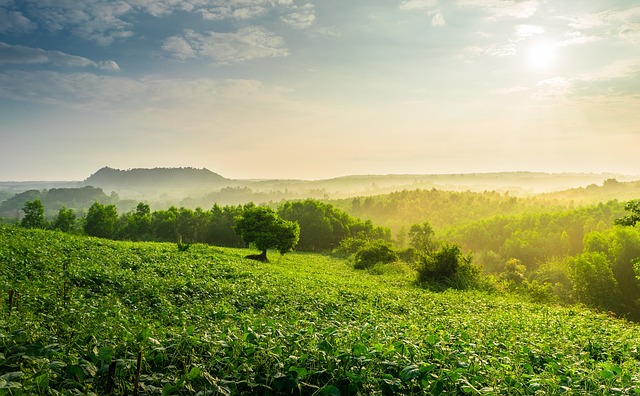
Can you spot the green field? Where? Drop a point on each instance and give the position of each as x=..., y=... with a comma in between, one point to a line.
x=208, y=321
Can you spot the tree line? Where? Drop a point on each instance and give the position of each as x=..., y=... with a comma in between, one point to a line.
x=322, y=226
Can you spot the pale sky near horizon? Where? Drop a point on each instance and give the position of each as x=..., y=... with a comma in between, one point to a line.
x=316, y=89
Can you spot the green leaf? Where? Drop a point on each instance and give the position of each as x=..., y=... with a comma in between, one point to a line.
x=410, y=372
x=11, y=376
x=359, y=349
x=437, y=388
x=194, y=374
x=325, y=347
x=300, y=372
x=42, y=381
x=329, y=390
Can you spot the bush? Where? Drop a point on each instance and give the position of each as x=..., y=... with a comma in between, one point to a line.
x=374, y=253
x=448, y=265
x=351, y=245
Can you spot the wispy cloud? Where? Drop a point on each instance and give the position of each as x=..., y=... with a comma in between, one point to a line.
x=18, y=54
x=302, y=17
x=502, y=9
x=15, y=22
x=88, y=91
x=618, y=80
x=100, y=21
x=621, y=23
x=429, y=7
x=248, y=43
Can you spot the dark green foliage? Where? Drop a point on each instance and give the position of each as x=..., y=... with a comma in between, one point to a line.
x=54, y=199
x=445, y=264
x=376, y=252
x=262, y=227
x=33, y=214
x=633, y=217
x=594, y=283
x=137, y=226
x=65, y=220
x=220, y=230
x=322, y=226
x=101, y=221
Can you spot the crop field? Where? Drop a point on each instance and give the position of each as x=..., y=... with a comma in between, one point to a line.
x=85, y=316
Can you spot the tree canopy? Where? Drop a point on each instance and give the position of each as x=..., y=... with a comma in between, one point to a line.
x=262, y=227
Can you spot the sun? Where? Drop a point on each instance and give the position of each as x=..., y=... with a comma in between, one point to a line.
x=541, y=56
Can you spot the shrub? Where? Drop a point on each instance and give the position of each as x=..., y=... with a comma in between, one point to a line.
x=448, y=265
x=374, y=253
x=351, y=245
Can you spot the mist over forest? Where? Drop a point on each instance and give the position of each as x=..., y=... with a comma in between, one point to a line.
x=468, y=261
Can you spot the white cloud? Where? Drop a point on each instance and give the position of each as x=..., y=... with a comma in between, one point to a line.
x=503, y=9
x=326, y=31
x=15, y=22
x=179, y=48
x=429, y=7
x=418, y=4
x=227, y=48
x=620, y=23
x=618, y=80
x=302, y=18
x=18, y=54
x=96, y=20
x=525, y=31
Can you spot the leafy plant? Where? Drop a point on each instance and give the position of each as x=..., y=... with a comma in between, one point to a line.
x=374, y=253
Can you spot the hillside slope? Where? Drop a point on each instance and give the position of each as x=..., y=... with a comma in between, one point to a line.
x=208, y=320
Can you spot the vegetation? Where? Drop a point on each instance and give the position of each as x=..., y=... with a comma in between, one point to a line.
x=33, y=214
x=363, y=319
x=262, y=227
x=85, y=311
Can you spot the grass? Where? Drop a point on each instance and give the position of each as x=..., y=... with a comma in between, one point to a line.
x=208, y=321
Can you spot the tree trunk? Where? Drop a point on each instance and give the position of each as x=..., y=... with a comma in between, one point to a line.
x=259, y=257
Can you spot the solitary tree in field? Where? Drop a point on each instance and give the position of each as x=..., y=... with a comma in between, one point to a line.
x=33, y=214
x=262, y=227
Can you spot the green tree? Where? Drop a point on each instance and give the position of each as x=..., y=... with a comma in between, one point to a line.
x=593, y=281
x=33, y=214
x=421, y=237
x=633, y=217
x=101, y=221
x=65, y=220
x=262, y=227
x=220, y=228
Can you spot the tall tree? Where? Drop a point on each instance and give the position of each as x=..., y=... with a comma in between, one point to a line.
x=33, y=214
x=65, y=220
x=101, y=221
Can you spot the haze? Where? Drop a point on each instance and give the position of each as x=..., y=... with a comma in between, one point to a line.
x=318, y=89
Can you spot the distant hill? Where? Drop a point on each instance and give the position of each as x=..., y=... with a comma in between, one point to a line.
x=156, y=179
x=611, y=189
x=78, y=199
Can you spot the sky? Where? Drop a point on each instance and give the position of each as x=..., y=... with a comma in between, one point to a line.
x=316, y=89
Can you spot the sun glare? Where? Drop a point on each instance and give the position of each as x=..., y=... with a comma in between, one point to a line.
x=541, y=56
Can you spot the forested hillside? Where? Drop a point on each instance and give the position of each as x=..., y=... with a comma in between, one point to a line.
x=78, y=199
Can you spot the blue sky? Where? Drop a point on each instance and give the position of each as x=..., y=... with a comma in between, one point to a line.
x=318, y=89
